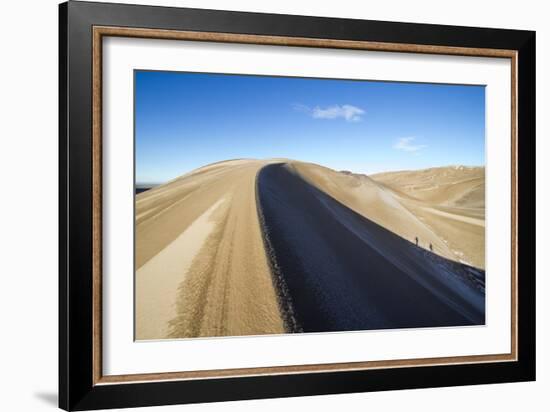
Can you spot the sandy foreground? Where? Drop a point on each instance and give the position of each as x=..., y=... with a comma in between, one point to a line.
x=201, y=269
x=201, y=263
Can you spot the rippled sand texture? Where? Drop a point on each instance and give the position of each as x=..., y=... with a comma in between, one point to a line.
x=201, y=268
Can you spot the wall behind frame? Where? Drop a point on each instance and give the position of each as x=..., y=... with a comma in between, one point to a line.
x=28, y=210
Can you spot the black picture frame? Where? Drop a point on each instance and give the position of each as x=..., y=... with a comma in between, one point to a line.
x=77, y=390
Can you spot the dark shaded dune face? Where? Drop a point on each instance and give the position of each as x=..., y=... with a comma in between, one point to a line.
x=340, y=271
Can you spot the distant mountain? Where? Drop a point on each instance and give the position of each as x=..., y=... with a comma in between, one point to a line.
x=460, y=186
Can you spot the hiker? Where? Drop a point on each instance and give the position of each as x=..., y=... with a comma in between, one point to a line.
x=431, y=248
x=416, y=238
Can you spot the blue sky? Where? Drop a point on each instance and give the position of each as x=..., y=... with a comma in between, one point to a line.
x=187, y=120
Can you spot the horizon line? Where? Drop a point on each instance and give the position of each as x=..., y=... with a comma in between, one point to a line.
x=152, y=184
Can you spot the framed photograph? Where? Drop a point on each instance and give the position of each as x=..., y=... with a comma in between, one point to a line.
x=257, y=205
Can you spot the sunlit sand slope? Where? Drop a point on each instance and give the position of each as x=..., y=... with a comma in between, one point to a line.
x=458, y=186
x=375, y=202
x=201, y=267
x=448, y=200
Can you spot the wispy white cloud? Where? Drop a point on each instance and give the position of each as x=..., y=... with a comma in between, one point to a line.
x=346, y=111
x=406, y=144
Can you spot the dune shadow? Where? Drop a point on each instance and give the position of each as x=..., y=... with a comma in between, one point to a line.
x=336, y=270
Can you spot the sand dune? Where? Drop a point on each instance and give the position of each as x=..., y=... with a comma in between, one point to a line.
x=375, y=202
x=224, y=287
x=345, y=272
x=445, y=186
x=448, y=200
x=205, y=264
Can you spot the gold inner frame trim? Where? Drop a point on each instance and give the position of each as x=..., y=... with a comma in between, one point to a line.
x=101, y=31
